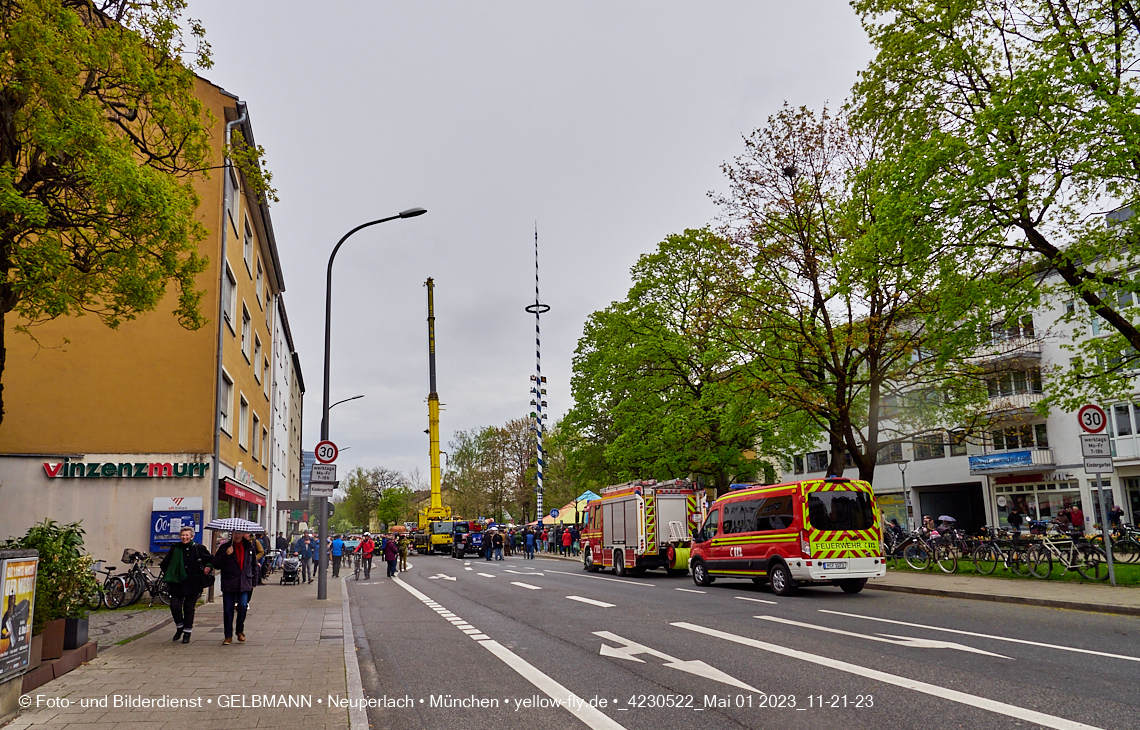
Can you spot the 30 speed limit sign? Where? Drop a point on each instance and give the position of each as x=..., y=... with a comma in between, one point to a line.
x=1092, y=418
x=326, y=452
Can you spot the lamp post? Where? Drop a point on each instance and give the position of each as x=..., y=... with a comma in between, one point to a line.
x=323, y=502
x=906, y=495
x=346, y=400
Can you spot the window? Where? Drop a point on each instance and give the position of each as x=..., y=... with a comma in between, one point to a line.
x=265, y=377
x=889, y=406
x=708, y=531
x=889, y=453
x=257, y=357
x=929, y=447
x=1070, y=307
x=227, y=398
x=817, y=461
x=245, y=331
x=260, y=282
x=243, y=424
x=957, y=443
x=229, y=297
x=1041, y=434
x=798, y=464
x=231, y=192
x=1121, y=420
x=1021, y=437
x=1015, y=382
x=1012, y=328
x=740, y=516
x=247, y=248
x=841, y=511
x=775, y=513
x=255, y=451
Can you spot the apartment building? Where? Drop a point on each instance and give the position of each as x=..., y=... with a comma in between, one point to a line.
x=285, y=435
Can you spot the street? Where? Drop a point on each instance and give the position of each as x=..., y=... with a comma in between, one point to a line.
x=471, y=643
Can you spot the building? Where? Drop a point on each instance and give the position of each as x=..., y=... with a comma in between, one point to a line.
x=138, y=429
x=285, y=435
x=1021, y=459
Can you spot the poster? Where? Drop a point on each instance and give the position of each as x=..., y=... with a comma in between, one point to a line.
x=17, y=600
x=165, y=526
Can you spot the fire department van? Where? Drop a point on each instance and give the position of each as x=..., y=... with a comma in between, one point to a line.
x=642, y=525
x=823, y=531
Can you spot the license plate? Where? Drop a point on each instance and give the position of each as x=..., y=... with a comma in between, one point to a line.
x=834, y=566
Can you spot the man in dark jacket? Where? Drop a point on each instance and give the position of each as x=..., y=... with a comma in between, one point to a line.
x=306, y=547
x=391, y=552
x=236, y=560
x=184, y=569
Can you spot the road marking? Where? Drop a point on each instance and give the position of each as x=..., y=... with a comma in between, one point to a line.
x=757, y=600
x=468, y=563
x=525, y=585
x=908, y=641
x=468, y=568
x=591, y=601
x=519, y=572
x=591, y=716
x=602, y=577
x=437, y=576
x=689, y=590
x=694, y=666
x=986, y=636
x=1001, y=708
x=486, y=575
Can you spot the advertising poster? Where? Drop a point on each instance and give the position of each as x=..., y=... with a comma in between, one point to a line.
x=18, y=577
x=165, y=526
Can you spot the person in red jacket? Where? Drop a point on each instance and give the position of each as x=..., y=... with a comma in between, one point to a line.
x=367, y=547
x=567, y=540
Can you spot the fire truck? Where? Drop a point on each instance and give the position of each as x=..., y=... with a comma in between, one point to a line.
x=642, y=525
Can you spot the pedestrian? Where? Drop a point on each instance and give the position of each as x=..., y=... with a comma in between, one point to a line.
x=236, y=561
x=529, y=545
x=567, y=538
x=575, y=537
x=336, y=550
x=187, y=569
x=498, y=543
x=391, y=553
x=402, y=548
x=489, y=544
x=306, y=547
x=366, y=548
x=544, y=539
x=1115, y=516
x=1077, y=517
x=259, y=544
x=1014, y=519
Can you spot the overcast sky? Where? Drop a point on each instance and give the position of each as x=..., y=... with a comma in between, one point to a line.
x=604, y=123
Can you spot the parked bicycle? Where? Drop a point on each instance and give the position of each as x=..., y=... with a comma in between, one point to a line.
x=1001, y=547
x=922, y=548
x=97, y=598
x=1072, y=551
x=130, y=586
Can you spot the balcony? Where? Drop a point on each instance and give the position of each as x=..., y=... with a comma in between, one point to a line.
x=1019, y=404
x=1011, y=462
x=998, y=353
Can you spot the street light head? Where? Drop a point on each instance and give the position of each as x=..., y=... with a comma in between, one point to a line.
x=412, y=212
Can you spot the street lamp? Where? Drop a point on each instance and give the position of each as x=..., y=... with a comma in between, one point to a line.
x=906, y=495
x=323, y=502
x=346, y=400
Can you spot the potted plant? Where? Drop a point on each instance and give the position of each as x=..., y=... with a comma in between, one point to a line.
x=64, y=577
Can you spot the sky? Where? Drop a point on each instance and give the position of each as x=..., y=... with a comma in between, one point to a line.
x=604, y=125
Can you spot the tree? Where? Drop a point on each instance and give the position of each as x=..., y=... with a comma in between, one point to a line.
x=518, y=450
x=378, y=492
x=101, y=137
x=658, y=390
x=835, y=313
x=1014, y=126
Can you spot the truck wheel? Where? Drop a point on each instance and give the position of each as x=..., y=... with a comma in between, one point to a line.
x=701, y=574
x=852, y=585
x=619, y=563
x=781, y=579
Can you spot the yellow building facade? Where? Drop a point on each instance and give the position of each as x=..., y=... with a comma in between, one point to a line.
x=137, y=429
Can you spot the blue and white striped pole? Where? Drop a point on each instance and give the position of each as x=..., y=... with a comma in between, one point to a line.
x=537, y=309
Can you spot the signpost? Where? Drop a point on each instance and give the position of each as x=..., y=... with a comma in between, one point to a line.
x=1097, y=451
x=326, y=453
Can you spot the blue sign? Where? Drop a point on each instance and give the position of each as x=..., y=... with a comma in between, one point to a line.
x=1000, y=462
x=554, y=513
x=165, y=526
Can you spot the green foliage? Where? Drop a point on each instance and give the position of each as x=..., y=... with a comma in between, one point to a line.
x=378, y=492
x=1013, y=124
x=64, y=576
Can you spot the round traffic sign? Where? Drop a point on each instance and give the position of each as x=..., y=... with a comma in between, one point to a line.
x=326, y=452
x=1092, y=418
x=554, y=513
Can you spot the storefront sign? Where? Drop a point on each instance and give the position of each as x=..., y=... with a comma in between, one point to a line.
x=242, y=476
x=165, y=527
x=17, y=601
x=172, y=504
x=243, y=494
x=124, y=470
x=1000, y=462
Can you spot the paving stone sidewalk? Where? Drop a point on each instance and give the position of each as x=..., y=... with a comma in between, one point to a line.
x=294, y=648
x=110, y=627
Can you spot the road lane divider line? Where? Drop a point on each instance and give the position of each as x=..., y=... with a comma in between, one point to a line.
x=986, y=636
x=602, y=577
x=357, y=716
x=757, y=600
x=629, y=650
x=689, y=590
x=526, y=585
x=591, y=716
x=907, y=641
x=984, y=703
x=592, y=602
x=519, y=572
x=486, y=575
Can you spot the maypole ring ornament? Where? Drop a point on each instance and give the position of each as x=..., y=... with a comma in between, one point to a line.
x=538, y=308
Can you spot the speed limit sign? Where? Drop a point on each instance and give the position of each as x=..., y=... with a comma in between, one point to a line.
x=1092, y=418
x=326, y=452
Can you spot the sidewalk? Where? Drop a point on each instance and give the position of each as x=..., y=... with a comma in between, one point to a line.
x=295, y=650
x=1099, y=597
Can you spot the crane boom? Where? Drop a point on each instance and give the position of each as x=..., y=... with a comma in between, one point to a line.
x=435, y=510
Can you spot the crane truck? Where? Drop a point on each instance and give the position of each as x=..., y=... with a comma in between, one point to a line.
x=435, y=523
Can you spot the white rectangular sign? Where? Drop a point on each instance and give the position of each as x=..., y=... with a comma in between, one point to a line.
x=322, y=490
x=1098, y=465
x=323, y=474
x=173, y=504
x=1095, y=444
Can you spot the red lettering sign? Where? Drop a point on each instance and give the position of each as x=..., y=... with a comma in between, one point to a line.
x=52, y=470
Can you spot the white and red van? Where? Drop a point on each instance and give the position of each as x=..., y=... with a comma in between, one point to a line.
x=823, y=531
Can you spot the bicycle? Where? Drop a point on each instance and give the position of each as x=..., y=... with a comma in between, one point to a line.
x=1072, y=552
x=996, y=549
x=1125, y=544
x=920, y=550
x=99, y=597
x=139, y=580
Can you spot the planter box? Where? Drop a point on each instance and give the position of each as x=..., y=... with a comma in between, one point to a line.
x=74, y=633
x=53, y=639
x=37, y=652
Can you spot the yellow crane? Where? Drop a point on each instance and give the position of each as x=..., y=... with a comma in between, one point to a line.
x=435, y=525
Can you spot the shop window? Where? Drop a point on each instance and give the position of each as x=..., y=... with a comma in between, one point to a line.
x=225, y=421
x=257, y=357
x=889, y=453
x=957, y=443
x=245, y=331
x=247, y=248
x=260, y=282
x=256, y=451
x=243, y=424
x=229, y=298
x=929, y=447
x=817, y=461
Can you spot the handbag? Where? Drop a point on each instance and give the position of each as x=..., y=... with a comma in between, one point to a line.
x=208, y=580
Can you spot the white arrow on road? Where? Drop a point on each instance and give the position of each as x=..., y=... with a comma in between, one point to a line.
x=693, y=666
x=437, y=576
x=908, y=641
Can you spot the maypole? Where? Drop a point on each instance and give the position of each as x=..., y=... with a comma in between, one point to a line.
x=538, y=382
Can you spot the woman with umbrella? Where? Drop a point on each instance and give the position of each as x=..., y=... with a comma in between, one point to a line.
x=236, y=560
x=186, y=568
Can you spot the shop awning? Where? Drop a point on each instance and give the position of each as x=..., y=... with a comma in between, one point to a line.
x=242, y=492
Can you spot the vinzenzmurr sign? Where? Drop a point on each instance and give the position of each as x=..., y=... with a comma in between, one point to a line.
x=123, y=470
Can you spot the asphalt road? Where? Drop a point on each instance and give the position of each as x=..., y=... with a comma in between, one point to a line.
x=468, y=644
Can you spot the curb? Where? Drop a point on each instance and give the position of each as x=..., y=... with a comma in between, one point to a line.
x=1022, y=600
